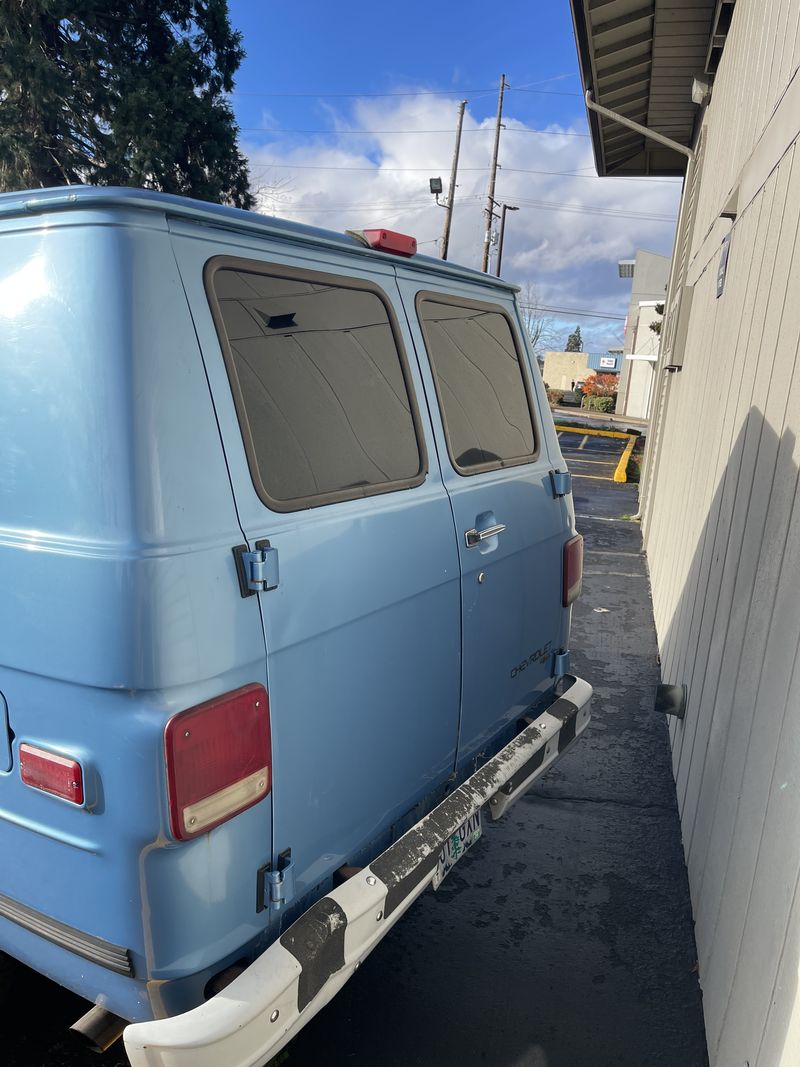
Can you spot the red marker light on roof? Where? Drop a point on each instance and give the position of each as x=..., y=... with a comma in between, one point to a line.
x=399, y=244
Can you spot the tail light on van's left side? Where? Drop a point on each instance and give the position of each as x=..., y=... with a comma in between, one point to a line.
x=219, y=760
x=572, y=570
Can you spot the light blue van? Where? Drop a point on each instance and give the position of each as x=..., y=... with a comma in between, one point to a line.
x=287, y=550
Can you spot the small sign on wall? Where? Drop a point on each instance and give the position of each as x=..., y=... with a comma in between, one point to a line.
x=609, y=362
x=722, y=270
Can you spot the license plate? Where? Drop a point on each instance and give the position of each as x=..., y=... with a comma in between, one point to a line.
x=455, y=846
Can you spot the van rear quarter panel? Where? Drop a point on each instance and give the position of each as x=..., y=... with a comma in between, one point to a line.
x=120, y=604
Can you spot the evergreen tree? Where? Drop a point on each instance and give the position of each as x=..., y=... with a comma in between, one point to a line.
x=121, y=92
x=574, y=341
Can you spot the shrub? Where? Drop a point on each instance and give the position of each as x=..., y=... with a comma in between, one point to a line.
x=601, y=385
x=555, y=396
x=605, y=404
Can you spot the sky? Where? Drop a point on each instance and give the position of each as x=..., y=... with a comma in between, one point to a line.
x=347, y=109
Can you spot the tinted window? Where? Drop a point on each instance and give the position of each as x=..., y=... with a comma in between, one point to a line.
x=479, y=381
x=319, y=385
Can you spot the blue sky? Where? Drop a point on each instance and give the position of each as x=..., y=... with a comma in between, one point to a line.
x=328, y=147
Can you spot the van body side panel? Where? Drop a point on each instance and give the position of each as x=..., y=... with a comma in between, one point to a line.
x=511, y=583
x=362, y=631
x=550, y=445
x=120, y=604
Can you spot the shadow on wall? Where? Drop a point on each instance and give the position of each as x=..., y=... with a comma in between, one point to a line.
x=733, y=639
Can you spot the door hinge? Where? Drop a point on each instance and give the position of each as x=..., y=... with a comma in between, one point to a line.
x=257, y=571
x=562, y=482
x=560, y=663
x=275, y=888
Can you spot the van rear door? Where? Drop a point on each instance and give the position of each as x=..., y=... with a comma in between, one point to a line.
x=510, y=528
x=338, y=487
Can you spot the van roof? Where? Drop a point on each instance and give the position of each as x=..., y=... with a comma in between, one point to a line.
x=77, y=197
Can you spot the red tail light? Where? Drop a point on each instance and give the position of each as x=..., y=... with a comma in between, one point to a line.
x=52, y=773
x=573, y=570
x=219, y=760
x=388, y=241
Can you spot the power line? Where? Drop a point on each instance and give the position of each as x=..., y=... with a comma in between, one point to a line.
x=594, y=177
x=354, y=93
x=616, y=213
x=548, y=205
x=379, y=169
x=580, y=312
x=403, y=205
x=549, y=92
x=368, y=133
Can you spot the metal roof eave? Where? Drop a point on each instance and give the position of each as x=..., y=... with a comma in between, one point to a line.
x=638, y=58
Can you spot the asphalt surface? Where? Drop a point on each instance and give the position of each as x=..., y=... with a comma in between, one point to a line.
x=564, y=939
x=589, y=456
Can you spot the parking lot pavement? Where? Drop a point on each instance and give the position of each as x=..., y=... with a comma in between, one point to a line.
x=565, y=938
x=590, y=456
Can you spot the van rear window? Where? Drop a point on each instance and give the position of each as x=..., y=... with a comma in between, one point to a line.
x=479, y=381
x=320, y=386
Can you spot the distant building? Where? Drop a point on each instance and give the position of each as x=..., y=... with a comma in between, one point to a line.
x=563, y=369
x=650, y=274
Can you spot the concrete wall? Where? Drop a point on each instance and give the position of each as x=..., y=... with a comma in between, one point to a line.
x=650, y=278
x=561, y=369
x=640, y=376
x=722, y=531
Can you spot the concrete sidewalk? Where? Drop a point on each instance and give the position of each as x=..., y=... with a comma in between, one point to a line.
x=598, y=419
x=566, y=939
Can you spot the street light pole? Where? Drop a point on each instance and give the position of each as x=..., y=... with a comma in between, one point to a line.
x=503, y=209
x=448, y=218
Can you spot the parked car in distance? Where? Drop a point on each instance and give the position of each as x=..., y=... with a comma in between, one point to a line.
x=287, y=552
x=573, y=397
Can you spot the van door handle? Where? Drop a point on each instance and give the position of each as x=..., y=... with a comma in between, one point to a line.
x=474, y=537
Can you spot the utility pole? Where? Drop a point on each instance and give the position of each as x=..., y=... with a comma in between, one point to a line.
x=503, y=209
x=493, y=176
x=448, y=218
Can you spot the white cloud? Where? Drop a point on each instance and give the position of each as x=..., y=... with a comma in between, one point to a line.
x=371, y=177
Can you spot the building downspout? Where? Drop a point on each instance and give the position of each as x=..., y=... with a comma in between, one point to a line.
x=656, y=400
x=616, y=117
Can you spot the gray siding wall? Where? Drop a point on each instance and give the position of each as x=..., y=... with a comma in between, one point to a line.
x=722, y=532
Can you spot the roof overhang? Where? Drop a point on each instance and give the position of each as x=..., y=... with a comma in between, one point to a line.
x=639, y=58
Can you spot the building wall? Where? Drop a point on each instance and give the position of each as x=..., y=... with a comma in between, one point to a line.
x=722, y=530
x=561, y=369
x=650, y=278
x=641, y=374
x=640, y=377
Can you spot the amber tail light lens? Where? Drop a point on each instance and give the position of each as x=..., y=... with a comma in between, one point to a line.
x=219, y=760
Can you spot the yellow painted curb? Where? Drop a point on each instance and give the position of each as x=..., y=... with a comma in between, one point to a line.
x=595, y=433
x=621, y=473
